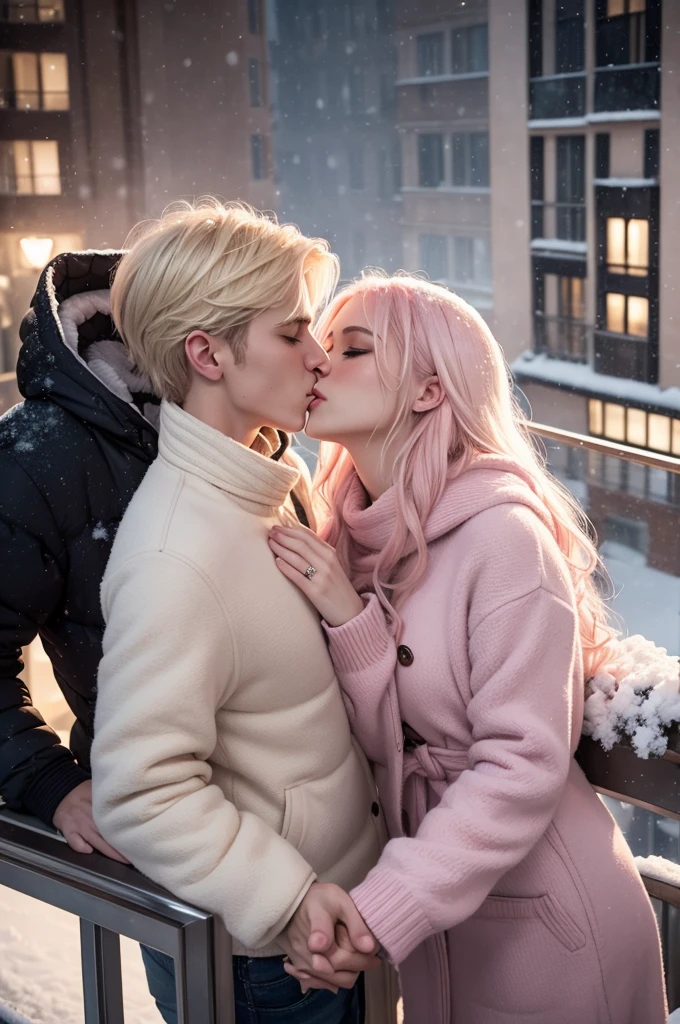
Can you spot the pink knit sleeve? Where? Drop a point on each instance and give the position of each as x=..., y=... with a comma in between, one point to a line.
x=364, y=655
x=524, y=659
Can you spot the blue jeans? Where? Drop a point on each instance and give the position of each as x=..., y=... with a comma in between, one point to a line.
x=263, y=993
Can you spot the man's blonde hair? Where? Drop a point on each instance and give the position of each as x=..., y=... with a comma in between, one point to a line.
x=214, y=267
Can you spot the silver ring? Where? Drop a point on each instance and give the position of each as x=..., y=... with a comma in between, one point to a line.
x=309, y=571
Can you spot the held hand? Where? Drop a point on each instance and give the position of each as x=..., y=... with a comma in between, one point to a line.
x=309, y=939
x=298, y=549
x=346, y=959
x=73, y=818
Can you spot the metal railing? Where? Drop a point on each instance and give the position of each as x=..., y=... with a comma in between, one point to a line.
x=565, y=221
x=561, y=338
x=111, y=900
x=557, y=96
x=653, y=784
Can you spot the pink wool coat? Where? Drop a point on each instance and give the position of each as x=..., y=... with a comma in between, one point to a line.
x=507, y=893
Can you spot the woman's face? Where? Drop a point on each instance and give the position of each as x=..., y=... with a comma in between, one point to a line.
x=354, y=406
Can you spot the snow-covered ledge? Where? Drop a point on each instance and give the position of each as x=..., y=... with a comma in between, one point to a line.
x=581, y=377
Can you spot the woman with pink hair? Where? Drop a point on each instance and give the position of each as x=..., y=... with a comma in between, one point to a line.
x=455, y=580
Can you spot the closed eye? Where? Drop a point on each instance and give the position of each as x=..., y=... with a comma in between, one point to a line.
x=349, y=353
x=291, y=339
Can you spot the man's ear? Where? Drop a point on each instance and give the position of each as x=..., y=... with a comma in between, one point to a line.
x=202, y=351
x=429, y=395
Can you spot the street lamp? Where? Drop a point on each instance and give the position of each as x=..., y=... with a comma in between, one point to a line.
x=37, y=251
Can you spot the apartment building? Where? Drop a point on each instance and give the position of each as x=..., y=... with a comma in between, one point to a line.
x=337, y=152
x=109, y=112
x=443, y=120
x=604, y=356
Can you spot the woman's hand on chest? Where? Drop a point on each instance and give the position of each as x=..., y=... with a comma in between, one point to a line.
x=313, y=566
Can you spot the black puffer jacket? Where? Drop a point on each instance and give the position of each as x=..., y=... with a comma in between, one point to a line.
x=71, y=457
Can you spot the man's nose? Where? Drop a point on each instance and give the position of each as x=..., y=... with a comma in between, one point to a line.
x=317, y=359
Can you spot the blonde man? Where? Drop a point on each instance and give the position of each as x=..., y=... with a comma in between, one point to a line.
x=223, y=766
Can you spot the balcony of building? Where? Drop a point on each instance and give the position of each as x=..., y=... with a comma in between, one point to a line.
x=633, y=499
x=430, y=99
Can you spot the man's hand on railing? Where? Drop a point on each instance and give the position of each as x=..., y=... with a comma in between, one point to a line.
x=327, y=941
x=73, y=818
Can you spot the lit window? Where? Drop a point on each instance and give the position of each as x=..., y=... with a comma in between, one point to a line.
x=675, y=439
x=571, y=298
x=636, y=428
x=638, y=316
x=615, y=7
x=616, y=313
x=659, y=432
x=25, y=11
x=29, y=168
x=614, y=421
x=595, y=420
x=627, y=314
x=34, y=81
x=628, y=246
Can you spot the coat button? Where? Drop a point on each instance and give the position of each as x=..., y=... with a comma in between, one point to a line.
x=375, y=808
x=404, y=655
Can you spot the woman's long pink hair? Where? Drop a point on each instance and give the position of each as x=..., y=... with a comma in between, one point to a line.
x=437, y=333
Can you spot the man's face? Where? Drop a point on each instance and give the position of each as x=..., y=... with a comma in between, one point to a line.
x=272, y=385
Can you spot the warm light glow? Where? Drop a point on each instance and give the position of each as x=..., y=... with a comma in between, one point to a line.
x=616, y=244
x=615, y=7
x=595, y=424
x=616, y=312
x=37, y=251
x=675, y=441
x=638, y=316
x=614, y=421
x=638, y=247
x=636, y=429
x=54, y=77
x=659, y=432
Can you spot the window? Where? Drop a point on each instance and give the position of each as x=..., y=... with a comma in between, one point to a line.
x=628, y=246
x=430, y=160
x=29, y=168
x=254, y=83
x=636, y=427
x=257, y=155
x=571, y=187
x=602, y=155
x=622, y=33
x=31, y=11
x=570, y=51
x=471, y=159
x=570, y=298
x=357, y=176
x=652, y=153
x=434, y=256
x=34, y=81
x=473, y=260
x=627, y=314
x=254, y=17
x=430, y=54
x=469, y=50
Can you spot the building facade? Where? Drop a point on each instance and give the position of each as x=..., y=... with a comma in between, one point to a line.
x=110, y=111
x=604, y=356
x=443, y=120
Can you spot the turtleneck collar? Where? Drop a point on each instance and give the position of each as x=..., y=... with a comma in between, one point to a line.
x=249, y=476
x=489, y=480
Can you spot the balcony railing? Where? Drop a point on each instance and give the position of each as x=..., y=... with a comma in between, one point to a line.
x=553, y=97
x=31, y=11
x=632, y=87
x=33, y=99
x=564, y=221
x=623, y=355
x=561, y=338
x=111, y=900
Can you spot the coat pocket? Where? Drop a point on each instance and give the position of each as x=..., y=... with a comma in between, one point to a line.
x=546, y=908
